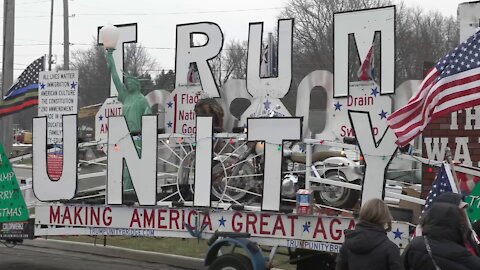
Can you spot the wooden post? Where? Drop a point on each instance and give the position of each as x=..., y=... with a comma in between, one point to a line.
x=448, y=154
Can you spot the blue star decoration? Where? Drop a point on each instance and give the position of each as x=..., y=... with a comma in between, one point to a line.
x=222, y=222
x=383, y=114
x=306, y=227
x=100, y=118
x=338, y=106
x=42, y=86
x=170, y=104
x=397, y=234
x=267, y=104
x=374, y=91
x=169, y=124
x=73, y=85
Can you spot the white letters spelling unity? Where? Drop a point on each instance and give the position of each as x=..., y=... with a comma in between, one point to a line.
x=142, y=166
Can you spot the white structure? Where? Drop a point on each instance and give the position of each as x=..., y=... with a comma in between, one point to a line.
x=468, y=16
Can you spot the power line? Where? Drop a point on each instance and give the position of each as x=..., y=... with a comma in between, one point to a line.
x=174, y=13
x=73, y=15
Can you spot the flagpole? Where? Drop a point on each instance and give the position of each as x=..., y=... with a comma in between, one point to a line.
x=448, y=154
x=6, y=134
x=50, y=41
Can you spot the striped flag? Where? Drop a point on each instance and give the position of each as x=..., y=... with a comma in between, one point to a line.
x=192, y=75
x=24, y=92
x=264, y=63
x=452, y=84
x=443, y=182
x=366, y=72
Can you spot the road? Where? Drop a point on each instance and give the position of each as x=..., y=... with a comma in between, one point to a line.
x=26, y=258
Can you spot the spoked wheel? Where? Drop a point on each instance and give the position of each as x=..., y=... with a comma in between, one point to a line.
x=337, y=196
x=231, y=262
x=231, y=181
x=175, y=170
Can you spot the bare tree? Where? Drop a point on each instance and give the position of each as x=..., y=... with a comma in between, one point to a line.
x=137, y=60
x=165, y=80
x=420, y=37
x=231, y=62
x=94, y=79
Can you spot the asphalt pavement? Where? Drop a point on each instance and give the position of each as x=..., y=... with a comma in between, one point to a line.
x=41, y=258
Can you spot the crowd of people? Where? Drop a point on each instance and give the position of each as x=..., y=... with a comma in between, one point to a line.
x=445, y=239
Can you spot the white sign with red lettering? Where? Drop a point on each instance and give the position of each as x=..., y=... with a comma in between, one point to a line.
x=117, y=220
x=180, y=105
x=363, y=96
x=111, y=107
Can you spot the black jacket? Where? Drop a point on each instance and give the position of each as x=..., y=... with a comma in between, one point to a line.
x=442, y=227
x=368, y=248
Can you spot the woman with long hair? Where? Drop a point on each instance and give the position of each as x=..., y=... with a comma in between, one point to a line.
x=368, y=247
x=442, y=245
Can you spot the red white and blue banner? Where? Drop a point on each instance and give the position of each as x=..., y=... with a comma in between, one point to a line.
x=324, y=233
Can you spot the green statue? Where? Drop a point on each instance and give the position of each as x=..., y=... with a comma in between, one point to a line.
x=130, y=95
x=134, y=106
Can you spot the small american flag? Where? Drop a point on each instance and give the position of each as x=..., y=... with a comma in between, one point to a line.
x=443, y=182
x=366, y=71
x=452, y=85
x=264, y=62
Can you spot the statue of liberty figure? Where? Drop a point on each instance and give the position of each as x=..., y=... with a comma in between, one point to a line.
x=130, y=95
x=134, y=106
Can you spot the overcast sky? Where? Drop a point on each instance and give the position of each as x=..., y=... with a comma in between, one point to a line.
x=156, y=22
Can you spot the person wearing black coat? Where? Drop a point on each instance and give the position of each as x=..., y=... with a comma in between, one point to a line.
x=368, y=247
x=443, y=231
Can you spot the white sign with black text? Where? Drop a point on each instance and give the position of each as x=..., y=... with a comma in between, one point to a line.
x=57, y=96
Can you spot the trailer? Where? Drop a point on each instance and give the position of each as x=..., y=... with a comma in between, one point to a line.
x=270, y=184
x=238, y=232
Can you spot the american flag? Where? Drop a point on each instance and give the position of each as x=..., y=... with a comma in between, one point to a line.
x=264, y=62
x=366, y=71
x=452, y=84
x=443, y=182
x=24, y=92
x=28, y=79
x=192, y=75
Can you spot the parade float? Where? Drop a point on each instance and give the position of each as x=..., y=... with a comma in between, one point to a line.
x=255, y=177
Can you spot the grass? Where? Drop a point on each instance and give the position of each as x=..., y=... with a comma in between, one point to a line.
x=177, y=246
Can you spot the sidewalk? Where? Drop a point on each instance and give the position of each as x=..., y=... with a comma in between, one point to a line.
x=118, y=252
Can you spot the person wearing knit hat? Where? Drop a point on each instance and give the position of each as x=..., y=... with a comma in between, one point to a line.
x=452, y=198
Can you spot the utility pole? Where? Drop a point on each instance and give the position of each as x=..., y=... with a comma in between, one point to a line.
x=50, y=43
x=66, y=41
x=7, y=69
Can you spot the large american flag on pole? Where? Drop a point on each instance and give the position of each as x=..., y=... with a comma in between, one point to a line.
x=452, y=84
